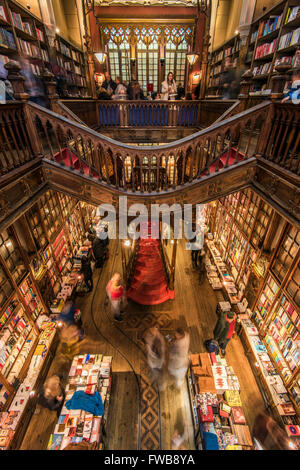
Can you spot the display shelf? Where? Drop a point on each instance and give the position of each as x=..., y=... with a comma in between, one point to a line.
x=11, y=255
x=31, y=298
x=50, y=213
x=265, y=301
x=288, y=250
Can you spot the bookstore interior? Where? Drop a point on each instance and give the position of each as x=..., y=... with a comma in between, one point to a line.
x=125, y=335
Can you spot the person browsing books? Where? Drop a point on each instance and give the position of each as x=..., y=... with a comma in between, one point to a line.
x=224, y=329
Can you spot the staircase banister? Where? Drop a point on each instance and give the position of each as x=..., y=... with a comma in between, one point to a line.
x=68, y=111
x=228, y=111
x=192, y=139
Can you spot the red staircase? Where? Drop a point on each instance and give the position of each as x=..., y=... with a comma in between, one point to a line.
x=149, y=285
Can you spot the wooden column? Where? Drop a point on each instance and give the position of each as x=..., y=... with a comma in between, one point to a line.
x=50, y=86
x=244, y=90
x=278, y=81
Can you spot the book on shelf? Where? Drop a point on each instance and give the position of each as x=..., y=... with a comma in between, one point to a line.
x=7, y=38
x=267, y=26
x=265, y=49
x=17, y=20
x=292, y=14
x=40, y=34
x=289, y=39
x=3, y=13
x=27, y=28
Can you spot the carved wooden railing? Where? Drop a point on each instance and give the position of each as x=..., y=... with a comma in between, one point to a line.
x=169, y=274
x=143, y=113
x=148, y=169
x=269, y=131
x=17, y=145
x=281, y=144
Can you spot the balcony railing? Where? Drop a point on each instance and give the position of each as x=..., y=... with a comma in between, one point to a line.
x=143, y=113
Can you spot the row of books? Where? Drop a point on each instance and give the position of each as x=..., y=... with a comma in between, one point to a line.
x=289, y=39
x=269, y=25
x=262, y=69
x=292, y=60
x=265, y=49
x=29, y=49
x=292, y=14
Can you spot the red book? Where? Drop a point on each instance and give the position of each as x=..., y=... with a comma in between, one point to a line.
x=213, y=358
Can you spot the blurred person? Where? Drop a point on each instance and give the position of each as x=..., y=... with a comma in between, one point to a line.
x=156, y=96
x=103, y=94
x=269, y=434
x=178, y=356
x=168, y=87
x=109, y=85
x=86, y=270
x=178, y=439
x=34, y=85
x=99, y=251
x=196, y=92
x=156, y=355
x=116, y=294
x=228, y=81
x=52, y=394
x=120, y=93
x=70, y=336
x=134, y=91
x=224, y=329
x=70, y=315
x=180, y=92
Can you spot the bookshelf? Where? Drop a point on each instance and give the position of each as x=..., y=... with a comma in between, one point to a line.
x=230, y=48
x=22, y=37
x=273, y=39
x=265, y=301
x=71, y=63
x=31, y=297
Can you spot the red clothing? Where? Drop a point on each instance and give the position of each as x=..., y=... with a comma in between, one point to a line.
x=115, y=294
x=231, y=329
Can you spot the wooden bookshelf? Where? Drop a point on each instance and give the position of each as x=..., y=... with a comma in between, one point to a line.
x=72, y=65
x=273, y=39
x=230, y=48
x=25, y=36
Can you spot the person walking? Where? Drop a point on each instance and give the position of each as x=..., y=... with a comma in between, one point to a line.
x=86, y=269
x=228, y=81
x=156, y=356
x=169, y=88
x=116, y=294
x=224, y=329
x=52, y=394
x=99, y=251
x=178, y=356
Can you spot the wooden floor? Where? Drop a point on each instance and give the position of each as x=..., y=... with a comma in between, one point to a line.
x=194, y=308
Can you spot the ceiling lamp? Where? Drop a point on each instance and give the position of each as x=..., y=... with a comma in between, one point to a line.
x=100, y=56
x=192, y=57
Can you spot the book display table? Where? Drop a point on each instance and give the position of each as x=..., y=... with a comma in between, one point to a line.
x=218, y=417
x=13, y=423
x=274, y=391
x=90, y=374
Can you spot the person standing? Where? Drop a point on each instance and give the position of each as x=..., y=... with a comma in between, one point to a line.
x=120, y=93
x=224, y=329
x=169, y=88
x=179, y=356
x=116, y=294
x=109, y=85
x=87, y=272
x=156, y=355
x=52, y=394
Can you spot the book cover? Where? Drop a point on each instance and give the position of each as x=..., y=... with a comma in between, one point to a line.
x=237, y=415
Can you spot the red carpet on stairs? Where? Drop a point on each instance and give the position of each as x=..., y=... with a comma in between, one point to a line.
x=149, y=285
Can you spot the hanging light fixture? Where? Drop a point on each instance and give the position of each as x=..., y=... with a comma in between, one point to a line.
x=192, y=57
x=100, y=56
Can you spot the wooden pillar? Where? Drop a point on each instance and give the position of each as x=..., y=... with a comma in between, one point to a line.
x=245, y=89
x=50, y=86
x=278, y=81
x=91, y=65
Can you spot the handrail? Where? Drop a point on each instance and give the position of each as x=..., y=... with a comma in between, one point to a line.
x=148, y=169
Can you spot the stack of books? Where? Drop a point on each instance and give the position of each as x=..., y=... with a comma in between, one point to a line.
x=289, y=39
